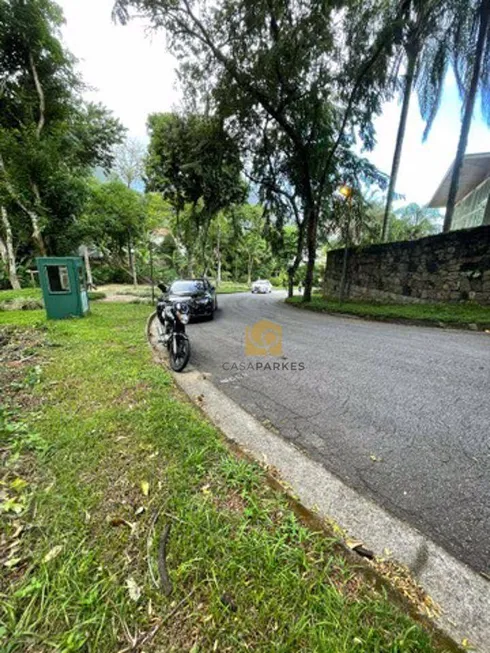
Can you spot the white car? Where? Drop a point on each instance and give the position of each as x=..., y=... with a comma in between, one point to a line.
x=262, y=286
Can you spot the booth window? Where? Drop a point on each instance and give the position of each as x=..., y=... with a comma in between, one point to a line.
x=58, y=280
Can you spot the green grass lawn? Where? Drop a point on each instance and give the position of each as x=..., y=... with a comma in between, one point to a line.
x=101, y=453
x=19, y=299
x=227, y=287
x=450, y=314
x=24, y=293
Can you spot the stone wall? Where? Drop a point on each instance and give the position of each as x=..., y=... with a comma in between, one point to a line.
x=450, y=267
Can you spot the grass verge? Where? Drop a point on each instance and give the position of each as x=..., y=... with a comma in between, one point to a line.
x=458, y=315
x=227, y=287
x=31, y=299
x=101, y=456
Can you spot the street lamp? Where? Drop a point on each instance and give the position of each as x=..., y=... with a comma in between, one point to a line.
x=345, y=191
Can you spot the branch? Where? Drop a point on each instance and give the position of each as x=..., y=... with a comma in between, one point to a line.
x=11, y=190
x=40, y=92
x=241, y=79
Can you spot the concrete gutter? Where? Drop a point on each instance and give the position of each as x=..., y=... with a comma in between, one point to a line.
x=462, y=593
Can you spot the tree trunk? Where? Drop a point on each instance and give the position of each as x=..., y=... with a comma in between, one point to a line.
x=190, y=263
x=40, y=93
x=468, y=114
x=218, y=250
x=249, y=270
x=407, y=91
x=3, y=252
x=36, y=229
x=324, y=289
x=132, y=261
x=293, y=268
x=88, y=267
x=9, y=247
x=33, y=216
x=312, y=223
x=343, y=278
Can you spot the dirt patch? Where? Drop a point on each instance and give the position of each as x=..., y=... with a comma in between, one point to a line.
x=20, y=356
x=20, y=370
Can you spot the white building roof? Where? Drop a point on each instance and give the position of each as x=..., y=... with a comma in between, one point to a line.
x=476, y=168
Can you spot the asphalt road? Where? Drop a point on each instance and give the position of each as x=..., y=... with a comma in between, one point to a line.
x=400, y=413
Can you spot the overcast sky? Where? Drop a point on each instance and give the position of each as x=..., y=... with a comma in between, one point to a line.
x=130, y=71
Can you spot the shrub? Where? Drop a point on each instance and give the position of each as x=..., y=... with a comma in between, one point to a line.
x=105, y=273
x=280, y=281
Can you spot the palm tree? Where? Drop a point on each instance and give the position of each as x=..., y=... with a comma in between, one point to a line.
x=471, y=52
x=421, y=21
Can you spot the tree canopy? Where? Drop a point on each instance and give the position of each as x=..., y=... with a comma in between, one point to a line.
x=50, y=139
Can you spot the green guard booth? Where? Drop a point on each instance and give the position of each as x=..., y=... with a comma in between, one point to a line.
x=64, y=287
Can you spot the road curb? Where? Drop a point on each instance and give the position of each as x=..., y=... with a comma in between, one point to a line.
x=462, y=593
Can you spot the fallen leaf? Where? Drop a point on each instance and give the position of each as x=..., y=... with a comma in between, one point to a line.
x=18, y=484
x=133, y=589
x=139, y=510
x=373, y=458
x=145, y=487
x=352, y=544
x=119, y=521
x=11, y=505
x=55, y=551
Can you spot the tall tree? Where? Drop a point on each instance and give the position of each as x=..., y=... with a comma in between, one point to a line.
x=35, y=74
x=284, y=63
x=195, y=164
x=129, y=162
x=419, y=30
x=111, y=213
x=7, y=251
x=128, y=166
x=471, y=51
x=49, y=138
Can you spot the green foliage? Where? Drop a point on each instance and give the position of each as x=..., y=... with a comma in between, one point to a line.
x=280, y=74
x=407, y=223
x=194, y=163
x=111, y=213
x=49, y=138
